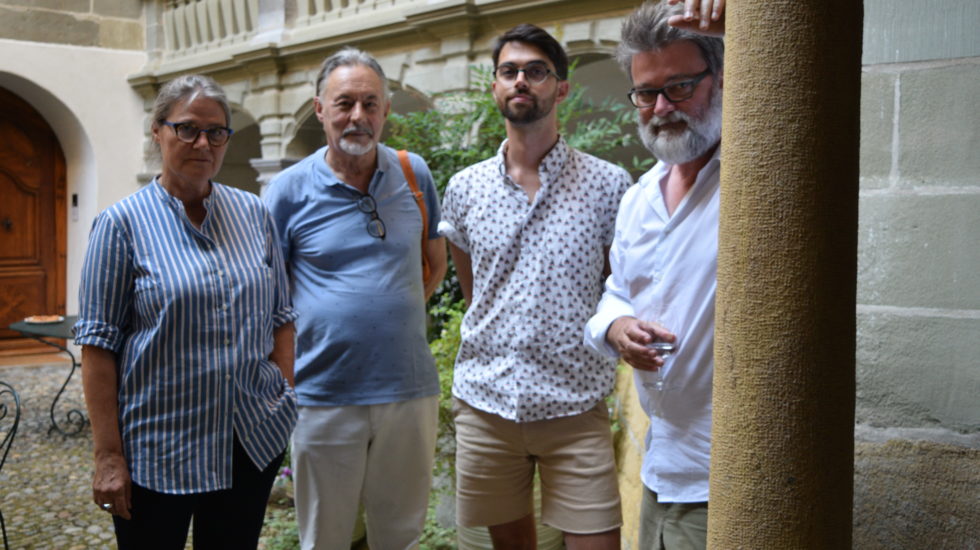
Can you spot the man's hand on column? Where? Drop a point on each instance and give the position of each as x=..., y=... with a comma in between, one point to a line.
x=702, y=16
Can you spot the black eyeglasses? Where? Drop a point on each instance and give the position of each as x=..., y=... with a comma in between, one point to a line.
x=187, y=132
x=675, y=93
x=536, y=73
x=376, y=226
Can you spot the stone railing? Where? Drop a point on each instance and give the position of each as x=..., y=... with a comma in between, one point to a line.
x=228, y=27
x=311, y=12
x=270, y=38
x=192, y=26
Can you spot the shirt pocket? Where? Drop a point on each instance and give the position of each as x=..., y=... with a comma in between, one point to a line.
x=149, y=296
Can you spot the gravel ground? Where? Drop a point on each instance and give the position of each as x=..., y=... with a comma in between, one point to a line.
x=46, y=482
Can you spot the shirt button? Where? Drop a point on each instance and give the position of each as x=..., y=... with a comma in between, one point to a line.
x=227, y=377
x=227, y=341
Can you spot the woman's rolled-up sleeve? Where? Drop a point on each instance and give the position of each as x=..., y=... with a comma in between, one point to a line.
x=282, y=304
x=105, y=293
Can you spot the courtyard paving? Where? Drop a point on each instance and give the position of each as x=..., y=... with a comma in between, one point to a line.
x=45, y=485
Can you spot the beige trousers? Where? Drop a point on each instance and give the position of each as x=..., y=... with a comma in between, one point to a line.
x=376, y=455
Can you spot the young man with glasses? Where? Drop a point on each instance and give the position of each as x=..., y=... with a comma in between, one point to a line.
x=664, y=262
x=351, y=235
x=529, y=231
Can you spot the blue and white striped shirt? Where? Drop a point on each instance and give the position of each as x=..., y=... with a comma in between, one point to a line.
x=190, y=315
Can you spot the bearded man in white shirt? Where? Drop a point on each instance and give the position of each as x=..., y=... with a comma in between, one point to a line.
x=529, y=231
x=664, y=264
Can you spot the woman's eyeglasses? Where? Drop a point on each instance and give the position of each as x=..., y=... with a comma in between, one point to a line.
x=375, y=227
x=187, y=132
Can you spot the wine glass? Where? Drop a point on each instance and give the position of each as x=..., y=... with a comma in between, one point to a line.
x=665, y=349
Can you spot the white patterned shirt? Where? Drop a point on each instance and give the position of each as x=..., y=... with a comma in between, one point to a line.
x=537, y=277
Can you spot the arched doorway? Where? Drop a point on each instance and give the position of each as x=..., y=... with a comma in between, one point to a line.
x=236, y=171
x=33, y=233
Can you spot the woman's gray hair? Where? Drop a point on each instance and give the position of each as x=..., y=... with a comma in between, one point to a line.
x=347, y=57
x=646, y=29
x=187, y=88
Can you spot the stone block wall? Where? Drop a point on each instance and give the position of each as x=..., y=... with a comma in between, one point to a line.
x=911, y=492
x=917, y=463
x=918, y=282
x=113, y=24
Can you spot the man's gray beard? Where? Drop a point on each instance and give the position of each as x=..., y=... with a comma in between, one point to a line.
x=700, y=135
x=354, y=148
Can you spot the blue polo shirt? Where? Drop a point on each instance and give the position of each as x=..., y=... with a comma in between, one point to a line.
x=361, y=327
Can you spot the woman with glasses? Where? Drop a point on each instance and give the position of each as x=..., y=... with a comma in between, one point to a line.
x=186, y=330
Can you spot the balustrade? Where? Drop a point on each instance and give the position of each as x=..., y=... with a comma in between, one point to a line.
x=315, y=11
x=191, y=26
x=194, y=26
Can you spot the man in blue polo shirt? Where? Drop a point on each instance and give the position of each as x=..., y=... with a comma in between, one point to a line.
x=351, y=235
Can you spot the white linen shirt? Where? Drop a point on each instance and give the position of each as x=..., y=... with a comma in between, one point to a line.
x=664, y=269
x=537, y=276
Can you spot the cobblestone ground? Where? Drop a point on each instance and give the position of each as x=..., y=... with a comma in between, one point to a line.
x=45, y=485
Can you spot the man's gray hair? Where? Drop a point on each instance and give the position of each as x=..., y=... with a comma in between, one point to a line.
x=187, y=87
x=646, y=29
x=348, y=57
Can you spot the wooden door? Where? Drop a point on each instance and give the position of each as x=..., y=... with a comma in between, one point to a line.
x=32, y=221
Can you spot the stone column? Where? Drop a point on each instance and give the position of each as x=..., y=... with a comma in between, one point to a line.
x=268, y=168
x=782, y=451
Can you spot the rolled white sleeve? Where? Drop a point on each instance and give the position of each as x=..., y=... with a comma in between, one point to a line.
x=453, y=205
x=612, y=306
x=455, y=236
x=615, y=303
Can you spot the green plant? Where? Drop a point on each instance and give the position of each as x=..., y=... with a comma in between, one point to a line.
x=444, y=349
x=435, y=536
x=279, y=530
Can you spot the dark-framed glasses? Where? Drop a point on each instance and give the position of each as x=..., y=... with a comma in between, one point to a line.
x=187, y=132
x=675, y=93
x=536, y=73
x=375, y=226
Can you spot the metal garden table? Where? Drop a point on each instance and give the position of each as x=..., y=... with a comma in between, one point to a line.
x=75, y=419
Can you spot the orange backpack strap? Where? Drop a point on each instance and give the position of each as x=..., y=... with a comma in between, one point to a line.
x=420, y=201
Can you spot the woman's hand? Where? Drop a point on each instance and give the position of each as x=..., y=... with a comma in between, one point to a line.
x=111, y=484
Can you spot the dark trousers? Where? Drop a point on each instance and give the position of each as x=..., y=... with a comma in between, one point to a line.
x=229, y=519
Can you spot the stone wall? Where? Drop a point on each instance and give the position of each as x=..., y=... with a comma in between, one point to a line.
x=114, y=24
x=918, y=288
x=917, y=469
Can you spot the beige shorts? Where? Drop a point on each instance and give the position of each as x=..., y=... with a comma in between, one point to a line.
x=495, y=466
